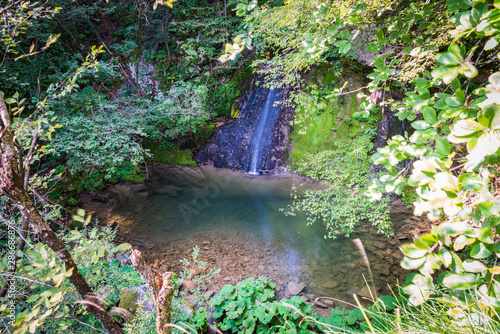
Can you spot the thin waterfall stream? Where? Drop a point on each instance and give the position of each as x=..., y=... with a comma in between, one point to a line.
x=262, y=135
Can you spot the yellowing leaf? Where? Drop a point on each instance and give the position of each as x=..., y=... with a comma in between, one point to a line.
x=474, y=266
x=495, y=270
x=486, y=145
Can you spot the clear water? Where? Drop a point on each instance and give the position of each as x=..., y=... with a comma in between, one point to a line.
x=236, y=220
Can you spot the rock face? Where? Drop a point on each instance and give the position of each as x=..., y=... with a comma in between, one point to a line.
x=231, y=144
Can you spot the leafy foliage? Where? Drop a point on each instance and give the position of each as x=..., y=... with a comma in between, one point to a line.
x=341, y=206
x=104, y=141
x=47, y=299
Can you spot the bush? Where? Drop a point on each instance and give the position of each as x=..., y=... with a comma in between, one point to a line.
x=249, y=307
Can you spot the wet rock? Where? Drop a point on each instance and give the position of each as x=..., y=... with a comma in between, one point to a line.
x=392, y=241
x=105, y=292
x=209, y=294
x=170, y=190
x=330, y=284
x=319, y=303
x=127, y=297
x=140, y=294
x=293, y=289
x=124, y=258
x=366, y=292
x=328, y=302
x=100, y=197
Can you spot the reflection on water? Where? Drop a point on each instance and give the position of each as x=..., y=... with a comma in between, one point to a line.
x=236, y=220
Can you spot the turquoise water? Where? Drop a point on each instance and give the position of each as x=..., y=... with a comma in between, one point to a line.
x=236, y=220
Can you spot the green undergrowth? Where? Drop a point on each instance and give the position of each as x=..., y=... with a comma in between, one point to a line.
x=169, y=153
x=92, y=180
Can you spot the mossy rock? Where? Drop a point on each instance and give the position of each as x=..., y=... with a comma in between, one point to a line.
x=134, y=175
x=335, y=122
x=169, y=154
x=127, y=297
x=235, y=109
x=204, y=134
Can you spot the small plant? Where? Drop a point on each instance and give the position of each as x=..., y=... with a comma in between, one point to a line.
x=195, y=277
x=249, y=307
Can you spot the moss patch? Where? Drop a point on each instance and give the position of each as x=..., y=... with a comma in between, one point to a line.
x=316, y=131
x=127, y=298
x=203, y=134
x=169, y=154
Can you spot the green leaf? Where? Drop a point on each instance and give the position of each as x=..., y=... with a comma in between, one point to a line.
x=101, y=251
x=32, y=298
x=443, y=146
x=460, y=95
x=429, y=114
x=447, y=73
x=420, y=125
x=420, y=243
x=486, y=235
x=407, y=39
x=461, y=241
x=466, y=127
x=412, y=251
x=78, y=218
x=453, y=102
x=445, y=256
x=471, y=182
x=453, y=229
x=460, y=281
x=479, y=251
x=410, y=264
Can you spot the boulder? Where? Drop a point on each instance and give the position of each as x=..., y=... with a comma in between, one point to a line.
x=209, y=294
x=293, y=289
x=329, y=302
x=127, y=300
x=131, y=297
x=319, y=303
x=367, y=292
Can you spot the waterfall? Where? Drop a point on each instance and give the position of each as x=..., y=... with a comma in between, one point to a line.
x=263, y=132
x=255, y=140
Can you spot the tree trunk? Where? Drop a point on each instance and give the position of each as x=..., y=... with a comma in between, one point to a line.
x=20, y=247
x=162, y=289
x=12, y=185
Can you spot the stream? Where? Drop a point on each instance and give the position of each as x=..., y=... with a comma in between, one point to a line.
x=235, y=219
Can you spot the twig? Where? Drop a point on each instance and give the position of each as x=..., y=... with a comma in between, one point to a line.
x=27, y=279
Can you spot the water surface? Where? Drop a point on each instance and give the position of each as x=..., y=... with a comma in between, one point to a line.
x=236, y=220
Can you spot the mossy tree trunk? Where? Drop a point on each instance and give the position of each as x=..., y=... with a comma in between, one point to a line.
x=161, y=288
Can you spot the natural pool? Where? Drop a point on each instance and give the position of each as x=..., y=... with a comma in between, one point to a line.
x=236, y=220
